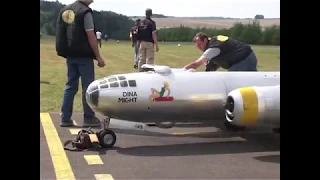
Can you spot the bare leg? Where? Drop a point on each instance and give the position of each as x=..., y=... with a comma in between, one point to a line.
x=154, y=94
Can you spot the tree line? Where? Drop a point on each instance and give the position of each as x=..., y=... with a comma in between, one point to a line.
x=117, y=26
x=251, y=33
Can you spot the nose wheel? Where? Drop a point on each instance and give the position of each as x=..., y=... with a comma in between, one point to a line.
x=107, y=138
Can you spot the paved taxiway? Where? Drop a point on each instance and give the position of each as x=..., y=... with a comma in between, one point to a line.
x=217, y=155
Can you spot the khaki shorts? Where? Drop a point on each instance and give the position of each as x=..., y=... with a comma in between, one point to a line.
x=146, y=54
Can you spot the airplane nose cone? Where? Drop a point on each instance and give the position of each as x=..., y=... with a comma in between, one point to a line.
x=92, y=94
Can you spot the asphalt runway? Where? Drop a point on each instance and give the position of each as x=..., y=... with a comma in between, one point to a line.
x=177, y=153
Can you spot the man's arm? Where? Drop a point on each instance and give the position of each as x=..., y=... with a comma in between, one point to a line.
x=89, y=27
x=154, y=33
x=212, y=66
x=207, y=55
x=130, y=35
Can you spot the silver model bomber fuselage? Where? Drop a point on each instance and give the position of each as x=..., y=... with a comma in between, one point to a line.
x=194, y=96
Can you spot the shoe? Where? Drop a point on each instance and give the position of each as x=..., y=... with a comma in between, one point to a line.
x=93, y=122
x=135, y=66
x=66, y=123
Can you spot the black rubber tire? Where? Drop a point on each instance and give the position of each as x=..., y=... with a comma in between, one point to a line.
x=104, y=133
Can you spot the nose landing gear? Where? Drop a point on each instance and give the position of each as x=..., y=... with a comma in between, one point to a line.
x=107, y=138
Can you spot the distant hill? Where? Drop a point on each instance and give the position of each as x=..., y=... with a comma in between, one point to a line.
x=154, y=16
x=209, y=22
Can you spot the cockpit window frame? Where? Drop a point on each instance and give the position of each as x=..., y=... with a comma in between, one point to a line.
x=121, y=78
x=104, y=81
x=114, y=84
x=121, y=82
x=112, y=77
x=132, y=83
x=126, y=84
x=104, y=86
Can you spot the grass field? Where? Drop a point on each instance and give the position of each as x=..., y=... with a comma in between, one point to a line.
x=209, y=23
x=119, y=59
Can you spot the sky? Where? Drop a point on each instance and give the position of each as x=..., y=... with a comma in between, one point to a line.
x=194, y=8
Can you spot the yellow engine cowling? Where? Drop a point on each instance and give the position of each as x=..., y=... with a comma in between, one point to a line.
x=254, y=106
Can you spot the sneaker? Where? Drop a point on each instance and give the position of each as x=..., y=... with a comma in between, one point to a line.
x=93, y=122
x=66, y=123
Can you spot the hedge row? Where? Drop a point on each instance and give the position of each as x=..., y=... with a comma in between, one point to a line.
x=251, y=33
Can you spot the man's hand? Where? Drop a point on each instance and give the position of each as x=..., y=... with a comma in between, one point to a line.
x=194, y=65
x=157, y=47
x=101, y=62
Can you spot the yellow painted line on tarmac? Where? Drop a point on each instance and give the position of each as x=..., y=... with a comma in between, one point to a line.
x=59, y=158
x=93, y=159
x=74, y=131
x=103, y=177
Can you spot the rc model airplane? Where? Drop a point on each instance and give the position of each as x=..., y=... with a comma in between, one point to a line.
x=162, y=94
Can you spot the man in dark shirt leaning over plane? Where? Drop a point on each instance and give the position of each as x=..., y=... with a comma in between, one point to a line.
x=223, y=51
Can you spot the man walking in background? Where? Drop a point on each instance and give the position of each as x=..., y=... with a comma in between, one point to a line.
x=76, y=41
x=106, y=38
x=134, y=43
x=98, y=34
x=147, y=38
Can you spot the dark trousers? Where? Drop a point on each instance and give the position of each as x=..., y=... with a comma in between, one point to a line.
x=77, y=68
x=248, y=64
x=136, y=53
x=99, y=42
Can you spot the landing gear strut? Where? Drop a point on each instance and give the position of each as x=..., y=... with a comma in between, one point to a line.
x=107, y=138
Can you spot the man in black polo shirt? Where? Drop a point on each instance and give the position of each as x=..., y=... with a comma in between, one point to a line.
x=135, y=44
x=225, y=52
x=147, y=38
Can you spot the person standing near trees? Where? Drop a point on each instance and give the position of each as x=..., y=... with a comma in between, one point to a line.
x=147, y=38
x=99, y=34
x=76, y=41
x=134, y=43
x=225, y=52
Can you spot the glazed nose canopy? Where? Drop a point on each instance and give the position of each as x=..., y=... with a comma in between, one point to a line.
x=92, y=94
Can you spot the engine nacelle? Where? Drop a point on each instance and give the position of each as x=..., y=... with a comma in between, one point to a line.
x=253, y=106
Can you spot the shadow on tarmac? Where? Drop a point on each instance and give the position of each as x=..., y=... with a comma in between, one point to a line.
x=269, y=158
x=252, y=143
